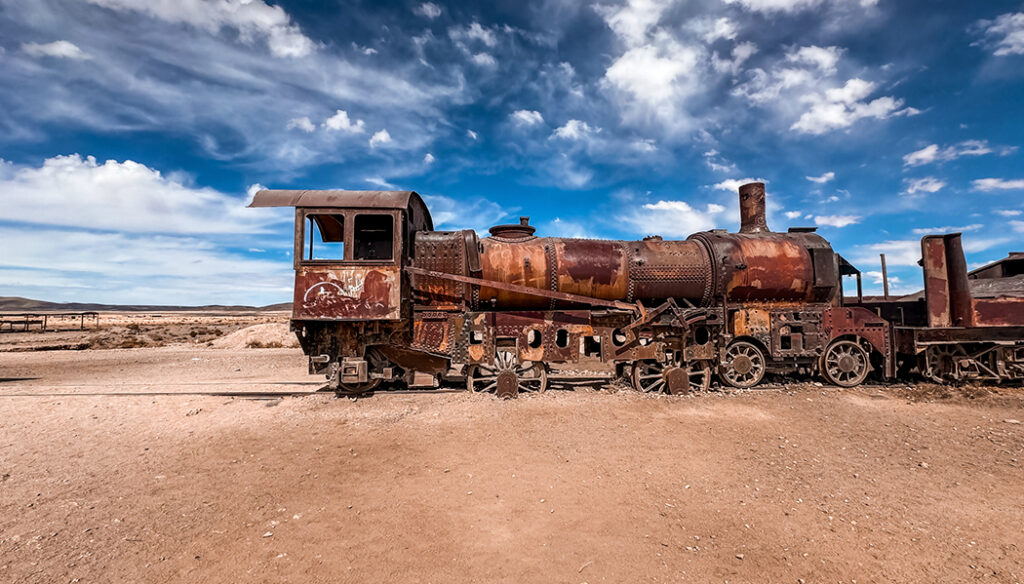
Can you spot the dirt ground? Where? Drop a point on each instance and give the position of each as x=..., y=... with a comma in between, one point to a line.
x=791, y=484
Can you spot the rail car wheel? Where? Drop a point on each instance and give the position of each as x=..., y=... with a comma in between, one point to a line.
x=654, y=376
x=941, y=364
x=507, y=377
x=845, y=363
x=744, y=365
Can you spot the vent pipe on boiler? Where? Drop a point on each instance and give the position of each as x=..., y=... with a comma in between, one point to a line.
x=752, y=209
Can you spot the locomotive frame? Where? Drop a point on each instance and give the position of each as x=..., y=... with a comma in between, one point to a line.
x=400, y=302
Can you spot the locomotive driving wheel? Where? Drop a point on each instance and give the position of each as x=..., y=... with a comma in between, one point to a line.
x=672, y=377
x=743, y=366
x=507, y=377
x=845, y=363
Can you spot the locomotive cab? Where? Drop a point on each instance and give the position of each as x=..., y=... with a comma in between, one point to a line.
x=349, y=251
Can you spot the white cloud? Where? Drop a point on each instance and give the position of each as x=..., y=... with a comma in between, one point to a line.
x=251, y=19
x=840, y=107
x=474, y=32
x=574, y=130
x=428, y=10
x=632, y=20
x=997, y=184
x=717, y=163
x=792, y=5
x=58, y=49
x=653, y=82
x=793, y=214
x=733, y=185
x=302, y=123
x=722, y=28
x=381, y=137
x=1009, y=212
x=932, y=152
x=527, y=117
x=673, y=218
x=341, y=122
x=947, y=229
x=1006, y=32
x=118, y=196
x=379, y=181
x=836, y=220
x=74, y=265
x=927, y=184
x=823, y=58
x=643, y=145
x=1017, y=225
x=429, y=158
x=484, y=60
x=471, y=134
x=822, y=179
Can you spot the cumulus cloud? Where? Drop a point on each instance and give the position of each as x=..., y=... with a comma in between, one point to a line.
x=733, y=184
x=654, y=81
x=823, y=58
x=632, y=20
x=822, y=179
x=58, y=49
x=250, y=19
x=471, y=135
x=527, y=117
x=475, y=32
x=927, y=184
x=1009, y=212
x=574, y=130
x=428, y=10
x=673, y=218
x=933, y=153
x=303, y=123
x=836, y=220
x=484, y=60
x=1005, y=34
x=429, y=158
x=118, y=196
x=793, y=214
x=997, y=184
x=341, y=122
x=840, y=107
x=380, y=137
x=1017, y=225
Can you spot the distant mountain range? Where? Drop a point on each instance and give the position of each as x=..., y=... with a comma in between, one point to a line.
x=17, y=304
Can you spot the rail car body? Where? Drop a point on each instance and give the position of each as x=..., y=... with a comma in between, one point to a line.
x=380, y=296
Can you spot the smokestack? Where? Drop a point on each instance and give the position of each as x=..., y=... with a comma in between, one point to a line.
x=752, y=211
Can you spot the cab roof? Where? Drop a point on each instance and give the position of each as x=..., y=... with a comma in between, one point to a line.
x=409, y=200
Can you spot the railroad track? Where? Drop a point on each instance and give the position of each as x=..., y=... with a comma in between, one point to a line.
x=316, y=388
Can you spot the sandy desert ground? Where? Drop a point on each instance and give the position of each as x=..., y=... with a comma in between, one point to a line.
x=123, y=465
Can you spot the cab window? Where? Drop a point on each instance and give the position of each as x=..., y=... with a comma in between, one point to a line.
x=373, y=237
x=325, y=237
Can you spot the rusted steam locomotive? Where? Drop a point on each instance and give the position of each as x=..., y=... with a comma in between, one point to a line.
x=382, y=297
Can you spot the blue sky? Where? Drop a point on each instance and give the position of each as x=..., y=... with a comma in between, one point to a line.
x=132, y=132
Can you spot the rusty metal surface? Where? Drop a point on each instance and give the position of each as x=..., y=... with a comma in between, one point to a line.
x=936, y=281
x=527, y=291
x=752, y=209
x=347, y=293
